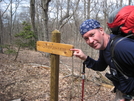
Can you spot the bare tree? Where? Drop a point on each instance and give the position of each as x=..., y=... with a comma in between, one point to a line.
x=129, y=2
x=66, y=14
x=105, y=12
x=88, y=9
x=62, y=14
x=13, y=11
x=38, y=11
x=121, y=1
x=45, y=5
x=11, y=21
x=32, y=13
x=1, y=26
x=1, y=33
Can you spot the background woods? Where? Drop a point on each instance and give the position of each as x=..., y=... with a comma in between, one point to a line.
x=23, y=22
x=46, y=15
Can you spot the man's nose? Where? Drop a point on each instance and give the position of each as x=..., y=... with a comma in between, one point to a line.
x=90, y=40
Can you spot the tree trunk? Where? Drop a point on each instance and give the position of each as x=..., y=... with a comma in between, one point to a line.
x=121, y=1
x=32, y=13
x=88, y=10
x=129, y=2
x=10, y=24
x=45, y=36
x=45, y=4
x=1, y=33
x=66, y=15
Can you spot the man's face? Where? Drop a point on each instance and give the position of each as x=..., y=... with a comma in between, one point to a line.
x=95, y=38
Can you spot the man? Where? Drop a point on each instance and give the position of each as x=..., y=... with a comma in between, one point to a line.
x=95, y=36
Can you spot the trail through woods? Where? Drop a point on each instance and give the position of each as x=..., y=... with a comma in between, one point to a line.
x=28, y=79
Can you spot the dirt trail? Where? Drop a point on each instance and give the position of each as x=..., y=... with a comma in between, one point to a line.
x=27, y=80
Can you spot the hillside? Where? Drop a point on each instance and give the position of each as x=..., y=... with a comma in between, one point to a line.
x=28, y=79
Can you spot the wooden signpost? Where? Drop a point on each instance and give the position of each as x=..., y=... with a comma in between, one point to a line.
x=56, y=49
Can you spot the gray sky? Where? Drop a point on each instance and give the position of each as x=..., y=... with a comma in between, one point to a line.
x=5, y=3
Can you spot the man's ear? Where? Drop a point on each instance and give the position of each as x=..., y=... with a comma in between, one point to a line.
x=101, y=29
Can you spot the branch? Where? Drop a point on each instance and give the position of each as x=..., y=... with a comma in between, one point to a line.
x=5, y=10
x=69, y=16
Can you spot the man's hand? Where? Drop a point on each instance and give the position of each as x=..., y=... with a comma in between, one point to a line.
x=78, y=53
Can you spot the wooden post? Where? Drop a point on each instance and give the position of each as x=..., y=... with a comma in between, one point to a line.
x=54, y=82
x=55, y=48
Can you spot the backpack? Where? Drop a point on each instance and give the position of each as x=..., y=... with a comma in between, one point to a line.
x=121, y=23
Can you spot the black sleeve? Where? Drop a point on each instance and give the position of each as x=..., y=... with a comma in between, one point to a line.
x=97, y=65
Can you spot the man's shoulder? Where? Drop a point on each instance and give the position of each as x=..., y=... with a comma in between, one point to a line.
x=112, y=35
x=122, y=45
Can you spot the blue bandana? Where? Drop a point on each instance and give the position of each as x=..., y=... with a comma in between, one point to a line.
x=89, y=25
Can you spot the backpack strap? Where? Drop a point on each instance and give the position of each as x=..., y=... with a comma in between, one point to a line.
x=113, y=44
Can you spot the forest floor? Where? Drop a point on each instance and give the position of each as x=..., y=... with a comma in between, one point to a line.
x=28, y=79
